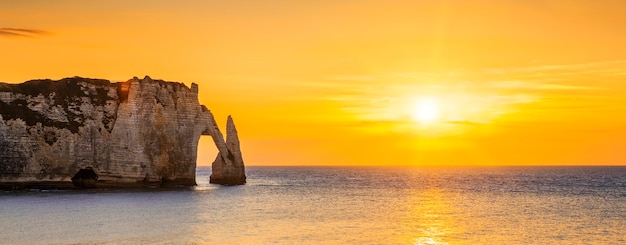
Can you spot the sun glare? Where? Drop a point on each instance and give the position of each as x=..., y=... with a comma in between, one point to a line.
x=426, y=110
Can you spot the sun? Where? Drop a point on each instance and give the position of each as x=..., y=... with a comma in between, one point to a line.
x=426, y=110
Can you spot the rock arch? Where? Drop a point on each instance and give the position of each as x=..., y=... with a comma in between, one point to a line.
x=134, y=133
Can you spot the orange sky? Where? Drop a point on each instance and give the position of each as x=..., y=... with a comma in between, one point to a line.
x=347, y=82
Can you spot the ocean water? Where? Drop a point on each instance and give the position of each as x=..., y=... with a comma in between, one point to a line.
x=337, y=205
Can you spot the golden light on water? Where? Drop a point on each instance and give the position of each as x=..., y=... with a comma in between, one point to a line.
x=354, y=83
x=431, y=216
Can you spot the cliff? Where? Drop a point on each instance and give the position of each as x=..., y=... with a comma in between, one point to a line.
x=92, y=132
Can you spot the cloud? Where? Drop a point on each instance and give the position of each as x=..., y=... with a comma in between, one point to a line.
x=538, y=86
x=18, y=32
x=464, y=122
x=363, y=78
x=589, y=66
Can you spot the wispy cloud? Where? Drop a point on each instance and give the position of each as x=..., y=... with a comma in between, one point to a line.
x=365, y=78
x=470, y=98
x=542, y=68
x=19, y=32
x=537, y=85
x=464, y=122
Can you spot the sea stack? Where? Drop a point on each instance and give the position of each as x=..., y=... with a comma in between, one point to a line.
x=95, y=133
x=228, y=169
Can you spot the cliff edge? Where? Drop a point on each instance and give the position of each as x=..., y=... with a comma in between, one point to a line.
x=95, y=133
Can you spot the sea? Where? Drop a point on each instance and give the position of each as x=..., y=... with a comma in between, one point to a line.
x=336, y=205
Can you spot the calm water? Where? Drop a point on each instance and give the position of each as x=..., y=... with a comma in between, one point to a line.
x=337, y=206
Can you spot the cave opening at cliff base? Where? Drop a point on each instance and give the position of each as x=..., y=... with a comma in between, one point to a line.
x=85, y=177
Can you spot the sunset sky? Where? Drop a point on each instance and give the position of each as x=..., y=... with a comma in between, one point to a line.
x=347, y=82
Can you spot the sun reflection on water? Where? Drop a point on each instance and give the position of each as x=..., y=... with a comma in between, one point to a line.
x=431, y=216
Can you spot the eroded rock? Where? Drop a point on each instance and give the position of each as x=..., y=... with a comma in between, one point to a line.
x=134, y=133
x=228, y=169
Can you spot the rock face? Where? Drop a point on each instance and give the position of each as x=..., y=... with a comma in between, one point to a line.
x=228, y=168
x=91, y=132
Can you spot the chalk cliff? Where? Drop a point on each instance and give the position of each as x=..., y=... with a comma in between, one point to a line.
x=92, y=132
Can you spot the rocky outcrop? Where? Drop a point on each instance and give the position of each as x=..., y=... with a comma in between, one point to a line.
x=228, y=169
x=91, y=132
